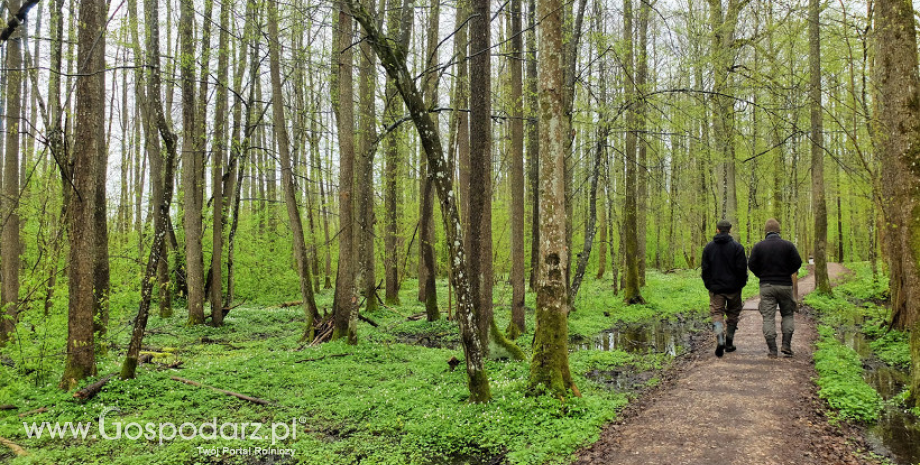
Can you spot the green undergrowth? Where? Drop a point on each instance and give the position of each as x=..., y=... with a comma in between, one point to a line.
x=840, y=379
x=854, y=329
x=390, y=399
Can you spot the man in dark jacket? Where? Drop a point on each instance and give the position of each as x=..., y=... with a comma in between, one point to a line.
x=724, y=274
x=774, y=260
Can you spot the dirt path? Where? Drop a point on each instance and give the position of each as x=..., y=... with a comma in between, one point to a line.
x=741, y=409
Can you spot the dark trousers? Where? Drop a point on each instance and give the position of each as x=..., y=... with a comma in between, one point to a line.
x=725, y=306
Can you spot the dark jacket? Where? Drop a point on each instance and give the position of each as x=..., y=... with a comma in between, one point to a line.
x=724, y=265
x=774, y=260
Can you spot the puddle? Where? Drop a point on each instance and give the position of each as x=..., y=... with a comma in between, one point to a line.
x=621, y=380
x=897, y=432
x=669, y=338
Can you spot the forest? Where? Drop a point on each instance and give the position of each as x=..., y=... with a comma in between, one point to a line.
x=446, y=232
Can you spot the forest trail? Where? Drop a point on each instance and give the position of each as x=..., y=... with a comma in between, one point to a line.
x=741, y=409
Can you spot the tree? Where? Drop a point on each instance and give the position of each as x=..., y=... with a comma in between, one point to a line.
x=533, y=142
x=192, y=168
x=549, y=369
x=364, y=175
x=480, y=187
x=640, y=54
x=219, y=215
x=632, y=293
x=898, y=134
x=817, y=147
x=427, y=271
x=9, y=201
x=517, y=172
x=391, y=180
x=90, y=113
x=346, y=299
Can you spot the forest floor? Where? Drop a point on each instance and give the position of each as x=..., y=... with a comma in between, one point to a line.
x=741, y=408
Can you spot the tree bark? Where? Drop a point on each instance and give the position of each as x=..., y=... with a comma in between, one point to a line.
x=643, y=172
x=898, y=131
x=480, y=187
x=822, y=280
x=533, y=143
x=9, y=201
x=346, y=298
x=364, y=174
x=90, y=113
x=516, y=62
x=427, y=264
x=549, y=369
x=192, y=169
x=631, y=280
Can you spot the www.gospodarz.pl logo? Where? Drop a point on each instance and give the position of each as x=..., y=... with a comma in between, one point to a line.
x=109, y=429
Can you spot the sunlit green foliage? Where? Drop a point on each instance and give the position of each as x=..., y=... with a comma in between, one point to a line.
x=390, y=399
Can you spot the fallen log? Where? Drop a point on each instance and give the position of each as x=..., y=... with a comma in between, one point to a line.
x=90, y=391
x=33, y=412
x=15, y=448
x=254, y=400
x=7, y=407
x=368, y=320
x=417, y=316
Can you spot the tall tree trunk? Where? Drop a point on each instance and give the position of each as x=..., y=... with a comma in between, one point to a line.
x=364, y=174
x=346, y=299
x=898, y=85
x=9, y=200
x=533, y=143
x=427, y=269
x=391, y=180
x=287, y=177
x=101, y=273
x=630, y=218
x=90, y=114
x=219, y=214
x=643, y=172
x=480, y=187
x=516, y=63
x=461, y=103
x=817, y=147
x=549, y=369
x=192, y=168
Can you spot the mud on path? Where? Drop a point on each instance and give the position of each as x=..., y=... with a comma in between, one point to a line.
x=741, y=409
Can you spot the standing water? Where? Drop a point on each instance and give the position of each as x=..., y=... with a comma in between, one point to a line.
x=897, y=432
x=658, y=337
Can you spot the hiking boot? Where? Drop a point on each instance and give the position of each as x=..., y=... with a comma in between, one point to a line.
x=730, y=339
x=771, y=347
x=720, y=338
x=787, y=345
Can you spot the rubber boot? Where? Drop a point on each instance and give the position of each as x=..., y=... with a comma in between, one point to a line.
x=787, y=345
x=730, y=339
x=720, y=338
x=771, y=346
